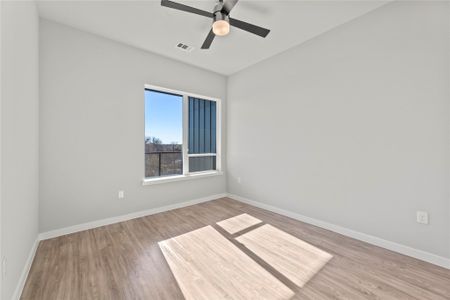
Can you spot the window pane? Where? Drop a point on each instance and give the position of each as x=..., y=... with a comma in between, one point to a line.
x=202, y=126
x=163, y=134
x=203, y=163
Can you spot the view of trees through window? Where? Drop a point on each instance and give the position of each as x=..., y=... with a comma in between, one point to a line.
x=163, y=134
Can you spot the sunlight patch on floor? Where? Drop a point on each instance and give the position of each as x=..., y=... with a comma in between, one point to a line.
x=208, y=266
x=238, y=223
x=292, y=257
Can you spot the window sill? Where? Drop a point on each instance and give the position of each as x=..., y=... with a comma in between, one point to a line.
x=152, y=181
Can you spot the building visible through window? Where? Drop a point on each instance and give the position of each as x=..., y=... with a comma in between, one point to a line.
x=202, y=135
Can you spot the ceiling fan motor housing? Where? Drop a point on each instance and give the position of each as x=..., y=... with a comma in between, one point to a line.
x=218, y=14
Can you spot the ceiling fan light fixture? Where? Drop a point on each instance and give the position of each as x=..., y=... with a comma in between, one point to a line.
x=221, y=27
x=220, y=17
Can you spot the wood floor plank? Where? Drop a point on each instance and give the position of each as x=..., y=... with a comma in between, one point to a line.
x=123, y=261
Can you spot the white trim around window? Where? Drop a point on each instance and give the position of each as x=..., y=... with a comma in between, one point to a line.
x=186, y=174
x=189, y=176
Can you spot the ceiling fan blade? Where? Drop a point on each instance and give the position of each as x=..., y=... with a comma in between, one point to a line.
x=186, y=8
x=228, y=6
x=263, y=32
x=209, y=39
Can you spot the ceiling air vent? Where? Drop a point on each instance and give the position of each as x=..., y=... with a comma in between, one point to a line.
x=185, y=47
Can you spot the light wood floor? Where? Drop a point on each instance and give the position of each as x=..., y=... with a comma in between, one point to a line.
x=124, y=261
x=208, y=266
x=238, y=223
x=292, y=257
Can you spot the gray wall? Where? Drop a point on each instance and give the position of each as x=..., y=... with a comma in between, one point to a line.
x=92, y=127
x=352, y=127
x=19, y=137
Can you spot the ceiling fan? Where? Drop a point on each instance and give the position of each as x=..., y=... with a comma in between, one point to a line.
x=221, y=19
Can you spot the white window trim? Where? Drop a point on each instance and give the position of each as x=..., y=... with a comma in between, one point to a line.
x=174, y=178
x=186, y=174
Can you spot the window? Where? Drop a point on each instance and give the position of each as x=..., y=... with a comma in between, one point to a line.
x=182, y=135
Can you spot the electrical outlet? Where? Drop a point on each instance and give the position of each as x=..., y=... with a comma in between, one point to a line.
x=239, y=180
x=422, y=217
x=4, y=265
x=121, y=194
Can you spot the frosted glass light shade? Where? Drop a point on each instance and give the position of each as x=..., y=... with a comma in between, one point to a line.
x=221, y=27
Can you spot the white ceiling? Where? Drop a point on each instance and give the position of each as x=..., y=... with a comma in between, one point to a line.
x=147, y=25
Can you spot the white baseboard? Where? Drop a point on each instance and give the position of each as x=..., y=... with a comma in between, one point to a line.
x=399, y=248
x=117, y=219
x=25, y=271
